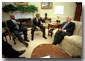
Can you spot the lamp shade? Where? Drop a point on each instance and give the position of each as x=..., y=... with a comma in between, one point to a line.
x=59, y=10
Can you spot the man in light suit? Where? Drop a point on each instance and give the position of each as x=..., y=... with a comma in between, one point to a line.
x=37, y=25
x=16, y=27
x=66, y=28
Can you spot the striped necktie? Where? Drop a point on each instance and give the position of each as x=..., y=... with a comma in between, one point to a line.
x=65, y=25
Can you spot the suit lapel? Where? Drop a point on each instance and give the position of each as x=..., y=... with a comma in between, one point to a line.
x=11, y=21
x=36, y=21
x=67, y=25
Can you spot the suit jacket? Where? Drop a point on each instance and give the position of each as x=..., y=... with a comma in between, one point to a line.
x=69, y=28
x=8, y=51
x=35, y=23
x=11, y=25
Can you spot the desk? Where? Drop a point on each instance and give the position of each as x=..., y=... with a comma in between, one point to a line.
x=52, y=26
x=48, y=49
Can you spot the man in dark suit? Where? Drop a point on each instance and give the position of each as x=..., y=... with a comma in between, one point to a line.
x=37, y=25
x=9, y=52
x=15, y=27
x=66, y=28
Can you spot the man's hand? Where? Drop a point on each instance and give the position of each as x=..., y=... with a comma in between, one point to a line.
x=63, y=30
x=38, y=28
x=16, y=23
x=59, y=29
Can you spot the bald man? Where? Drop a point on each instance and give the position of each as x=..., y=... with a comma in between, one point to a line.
x=15, y=27
x=66, y=28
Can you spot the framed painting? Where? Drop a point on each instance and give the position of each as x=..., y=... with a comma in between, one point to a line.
x=46, y=5
x=21, y=3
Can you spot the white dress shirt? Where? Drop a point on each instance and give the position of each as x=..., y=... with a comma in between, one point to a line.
x=37, y=22
x=17, y=26
x=65, y=26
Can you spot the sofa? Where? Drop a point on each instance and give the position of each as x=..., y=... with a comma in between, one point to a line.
x=72, y=44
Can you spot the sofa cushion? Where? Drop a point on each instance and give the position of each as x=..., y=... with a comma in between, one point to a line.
x=80, y=31
x=75, y=40
x=77, y=27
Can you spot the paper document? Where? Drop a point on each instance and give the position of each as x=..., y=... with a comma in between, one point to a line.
x=46, y=57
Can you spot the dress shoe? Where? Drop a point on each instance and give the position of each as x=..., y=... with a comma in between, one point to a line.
x=26, y=44
x=54, y=43
x=14, y=43
x=21, y=52
x=26, y=40
x=44, y=37
x=32, y=39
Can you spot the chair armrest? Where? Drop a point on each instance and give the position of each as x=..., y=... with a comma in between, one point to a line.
x=54, y=31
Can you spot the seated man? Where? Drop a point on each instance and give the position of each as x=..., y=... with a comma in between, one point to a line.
x=15, y=27
x=37, y=25
x=66, y=28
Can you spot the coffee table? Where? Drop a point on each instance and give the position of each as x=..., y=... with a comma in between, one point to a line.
x=49, y=50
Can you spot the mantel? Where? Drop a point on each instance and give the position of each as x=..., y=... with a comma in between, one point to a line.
x=19, y=15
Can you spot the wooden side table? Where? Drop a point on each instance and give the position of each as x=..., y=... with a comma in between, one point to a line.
x=47, y=20
x=52, y=26
x=49, y=50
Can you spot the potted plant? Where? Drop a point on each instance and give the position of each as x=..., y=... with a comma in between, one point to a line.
x=21, y=8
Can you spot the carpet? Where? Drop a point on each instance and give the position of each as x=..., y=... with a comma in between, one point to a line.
x=38, y=39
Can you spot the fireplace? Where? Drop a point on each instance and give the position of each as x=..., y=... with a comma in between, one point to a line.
x=24, y=18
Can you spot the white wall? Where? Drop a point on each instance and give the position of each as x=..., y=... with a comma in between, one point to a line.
x=69, y=10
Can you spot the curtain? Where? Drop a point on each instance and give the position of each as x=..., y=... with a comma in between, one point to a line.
x=78, y=11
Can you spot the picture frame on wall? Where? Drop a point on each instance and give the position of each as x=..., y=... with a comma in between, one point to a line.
x=21, y=3
x=46, y=5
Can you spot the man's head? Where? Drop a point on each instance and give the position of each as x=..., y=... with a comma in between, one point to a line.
x=68, y=19
x=38, y=16
x=12, y=16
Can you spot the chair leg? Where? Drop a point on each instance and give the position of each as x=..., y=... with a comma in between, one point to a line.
x=6, y=38
x=10, y=37
x=14, y=41
x=51, y=34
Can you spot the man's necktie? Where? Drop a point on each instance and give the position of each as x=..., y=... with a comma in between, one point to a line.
x=65, y=25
